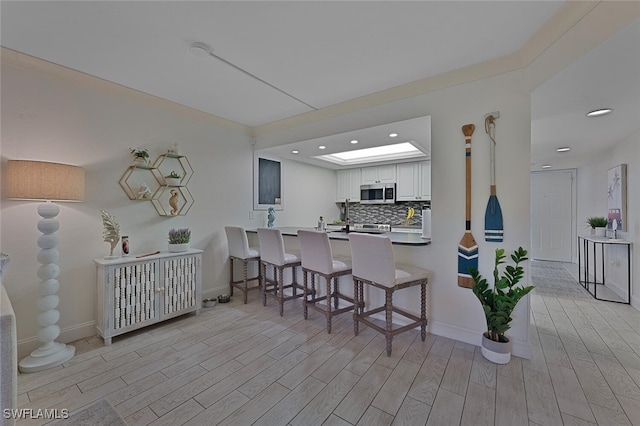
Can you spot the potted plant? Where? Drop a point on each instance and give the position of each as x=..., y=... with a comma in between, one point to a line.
x=172, y=179
x=598, y=225
x=179, y=239
x=140, y=156
x=498, y=303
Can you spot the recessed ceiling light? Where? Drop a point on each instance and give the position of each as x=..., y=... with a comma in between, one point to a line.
x=599, y=112
x=563, y=149
x=322, y=147
x=295, y=151
x=393, y=135
x=355, y=141
x=546, y=166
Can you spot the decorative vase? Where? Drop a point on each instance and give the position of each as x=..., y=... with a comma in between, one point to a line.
x=496, y=352
x=172, y=181
x=271, y=217
x=175, y=248
x=141, y=162
x=601, y=231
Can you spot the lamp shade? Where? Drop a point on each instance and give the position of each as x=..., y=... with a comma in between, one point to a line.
x=39, y=180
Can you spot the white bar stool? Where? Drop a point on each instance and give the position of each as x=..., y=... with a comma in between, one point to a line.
x=239, y=250
x=374, y=265
x=317, y=259
x=272, y=253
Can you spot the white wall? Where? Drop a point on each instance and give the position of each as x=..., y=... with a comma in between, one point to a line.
x=454, y=311
x=592, y=201
x=64, y=120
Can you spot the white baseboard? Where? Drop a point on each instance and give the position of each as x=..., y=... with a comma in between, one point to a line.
x=216, y=291
x=635, y=302
x=617, y=289
x=519, y=348
x=68, y=334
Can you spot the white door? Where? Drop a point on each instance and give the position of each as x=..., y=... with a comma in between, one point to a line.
x=551, y=216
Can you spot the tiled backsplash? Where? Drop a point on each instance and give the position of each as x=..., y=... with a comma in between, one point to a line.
x=395, y=214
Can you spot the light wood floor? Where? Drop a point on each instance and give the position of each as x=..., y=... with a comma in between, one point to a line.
x=244, y=364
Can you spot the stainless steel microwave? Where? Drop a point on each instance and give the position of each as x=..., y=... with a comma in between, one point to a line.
x=378, y=193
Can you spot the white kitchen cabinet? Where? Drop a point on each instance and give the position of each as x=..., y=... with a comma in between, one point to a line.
x=379, y=174
x=137, y=292
x=348, y=185
x=413, y=181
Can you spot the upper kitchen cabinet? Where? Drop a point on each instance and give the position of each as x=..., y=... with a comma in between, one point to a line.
x=379, y=174
x=348, y=185
x=413, y=181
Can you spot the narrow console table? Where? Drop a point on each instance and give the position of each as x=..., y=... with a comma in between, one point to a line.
x=137, y=292
x=587, y=248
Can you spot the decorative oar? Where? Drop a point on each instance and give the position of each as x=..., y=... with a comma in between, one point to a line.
x=493, y=228
x=467, y=248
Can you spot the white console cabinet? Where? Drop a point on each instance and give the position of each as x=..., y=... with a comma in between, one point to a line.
x=137, y=292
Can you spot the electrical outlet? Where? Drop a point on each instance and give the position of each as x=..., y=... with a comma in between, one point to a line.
x=251, y=214
x=496, y=114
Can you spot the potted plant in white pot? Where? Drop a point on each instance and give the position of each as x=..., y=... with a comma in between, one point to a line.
x=140, y=157
x=499, y=302
x=179, y=239
x=173, y=178
x=598, y=225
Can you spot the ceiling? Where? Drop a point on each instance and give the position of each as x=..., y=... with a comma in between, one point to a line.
x=310, y=55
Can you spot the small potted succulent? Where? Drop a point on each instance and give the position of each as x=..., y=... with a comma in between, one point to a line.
x=598, y=225
x=179, y=239
x=140, y=157
x=173, y=178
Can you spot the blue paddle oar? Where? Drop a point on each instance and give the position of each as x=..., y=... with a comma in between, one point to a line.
x=467, y=247
x=493, y=228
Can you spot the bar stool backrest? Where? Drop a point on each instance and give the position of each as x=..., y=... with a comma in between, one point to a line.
x=238, y=242
x=271, y=246
x=316, y=251
x=372, y=258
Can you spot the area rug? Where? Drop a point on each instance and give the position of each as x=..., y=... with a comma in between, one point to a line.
x=100, y=413
x=553, y=279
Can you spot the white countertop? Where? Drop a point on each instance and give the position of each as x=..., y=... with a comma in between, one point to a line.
x=401, y=238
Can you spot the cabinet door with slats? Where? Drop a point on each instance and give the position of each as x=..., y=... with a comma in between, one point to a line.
x=134, y=294
x=181, y=292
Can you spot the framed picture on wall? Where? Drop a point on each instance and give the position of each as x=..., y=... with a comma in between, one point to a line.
x=267, y=182
x=617, y=197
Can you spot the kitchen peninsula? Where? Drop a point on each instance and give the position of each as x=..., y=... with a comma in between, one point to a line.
x=397, y=238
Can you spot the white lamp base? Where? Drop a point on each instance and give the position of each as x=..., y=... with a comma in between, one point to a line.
x=43, y=359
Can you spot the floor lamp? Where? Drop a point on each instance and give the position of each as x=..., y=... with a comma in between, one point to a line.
x=38, y=180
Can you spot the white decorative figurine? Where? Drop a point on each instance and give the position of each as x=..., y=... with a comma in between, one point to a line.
x=111, y=233
x=144, y=192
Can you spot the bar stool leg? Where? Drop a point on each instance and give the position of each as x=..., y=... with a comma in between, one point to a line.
x=423, y=310
x=230, y=276
x=336, y=291
x=304, y=294
x=245, y=276
x=328, y=284
x=356, y=305
x=281, y=290
x=388, y=305
x=263, y=267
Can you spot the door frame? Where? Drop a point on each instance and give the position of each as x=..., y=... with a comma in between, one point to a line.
x=574, y=208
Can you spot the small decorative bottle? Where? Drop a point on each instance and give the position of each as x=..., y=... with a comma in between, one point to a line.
x=125, y=245
x=321, y=226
